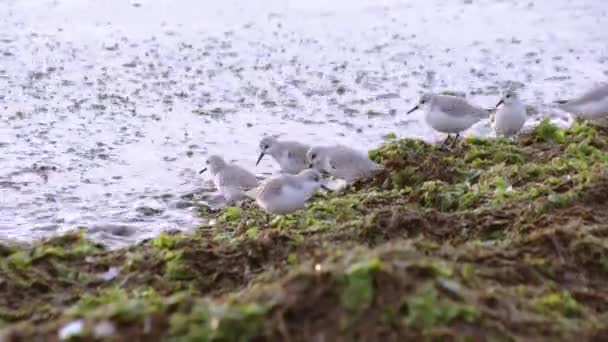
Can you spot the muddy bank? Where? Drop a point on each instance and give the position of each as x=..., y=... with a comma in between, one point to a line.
x=496, y=240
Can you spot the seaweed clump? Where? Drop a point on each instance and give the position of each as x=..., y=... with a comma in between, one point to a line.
x=495, y=240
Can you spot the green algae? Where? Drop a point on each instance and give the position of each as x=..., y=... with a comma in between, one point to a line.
x=389, y=136
x=427, y=310
x=548, y=132
x=166, y=242
x=231, y=214
x=357, y=286
x=177, y=269
x=560, y=303
x=208, y=321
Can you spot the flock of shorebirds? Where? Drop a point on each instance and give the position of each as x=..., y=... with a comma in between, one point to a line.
x=304, y=168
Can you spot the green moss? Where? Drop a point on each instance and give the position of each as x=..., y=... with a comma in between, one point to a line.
x=357, y=286
x=432, y=268
x=405, y=177
x=426, y=310
x=443, y=196
x=557, y=303
x=334, y=209
x=402, y=148
x=90, y=302
x=426, y=244
x=283, y=221
x=582, y=129
x=20, y=259
x=231, y=214
x=547, y=131
x=485, y=155
x=165, y=241
x=7, y=249
x=177, y=269
x=252, y=233
x=562, y=200
x=292, y=259
x=217, y=322
x=389, y=136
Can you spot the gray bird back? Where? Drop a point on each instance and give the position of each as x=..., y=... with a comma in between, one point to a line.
x=458, y=107
x=270, y=188
x=297, y=150
x=236, y=175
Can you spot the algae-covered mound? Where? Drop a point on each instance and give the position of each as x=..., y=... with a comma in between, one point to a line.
x=495, y=240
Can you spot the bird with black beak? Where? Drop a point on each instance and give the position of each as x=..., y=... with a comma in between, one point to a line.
x=290, y=155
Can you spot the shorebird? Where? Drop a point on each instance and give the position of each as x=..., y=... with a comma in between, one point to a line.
x=510, y=118
x=231, y=180
x=290, y=155
x=449, y=114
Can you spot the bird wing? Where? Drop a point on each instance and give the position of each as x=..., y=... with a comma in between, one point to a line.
x=270, y=187
x=458, y=107
x=348, y=158
x=593, y=95
x=236, y=175
x=344, y=157
x=297, y=151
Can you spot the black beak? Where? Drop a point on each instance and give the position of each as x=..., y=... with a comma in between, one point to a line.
x=203, y=170
x=326, y=188
x=499, y=103
x=259, y=158
x=413, y=110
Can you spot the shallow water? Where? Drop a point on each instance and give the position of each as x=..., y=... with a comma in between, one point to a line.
x=109, y=108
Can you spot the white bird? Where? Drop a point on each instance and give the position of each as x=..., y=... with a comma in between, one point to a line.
x=449, y=114
x=342, y=162
x=510, y=118
x=290, y=155
x=231, y=180
x=287, y=193
x=592, y=105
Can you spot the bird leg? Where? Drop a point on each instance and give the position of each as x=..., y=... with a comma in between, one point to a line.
x=455, y=140
x=267, y=220
x=445, y=142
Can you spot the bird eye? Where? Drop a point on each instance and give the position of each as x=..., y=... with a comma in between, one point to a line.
x=266, y=147
x=207, y=162
x=313, y=156
x=508, y=96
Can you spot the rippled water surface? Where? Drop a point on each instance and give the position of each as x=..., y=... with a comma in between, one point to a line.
x=108, y=108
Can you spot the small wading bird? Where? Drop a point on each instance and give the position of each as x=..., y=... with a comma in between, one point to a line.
x=592, y=105
x=449, y=114
x=342, y=162
x=290, y=155
x=231, y=180
x=509, y=118
x=286, y=193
